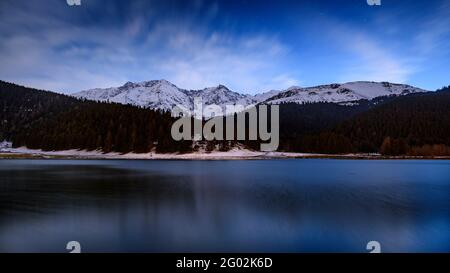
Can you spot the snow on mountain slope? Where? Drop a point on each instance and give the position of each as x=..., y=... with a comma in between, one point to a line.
x=341, y=93
x=266, y=95
x=163, y=95
x=221, y=95
x=159, y=94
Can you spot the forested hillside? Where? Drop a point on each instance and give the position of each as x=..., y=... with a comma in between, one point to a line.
x=415, y=124
x=418, y=124
x=45, y=120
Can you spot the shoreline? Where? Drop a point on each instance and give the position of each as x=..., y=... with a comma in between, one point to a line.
x=234, y=154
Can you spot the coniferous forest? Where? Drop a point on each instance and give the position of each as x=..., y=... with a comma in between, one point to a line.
x=49, y=121
x=416, y=124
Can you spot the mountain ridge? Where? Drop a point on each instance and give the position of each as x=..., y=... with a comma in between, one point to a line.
x=164, y=95
x=415, y=124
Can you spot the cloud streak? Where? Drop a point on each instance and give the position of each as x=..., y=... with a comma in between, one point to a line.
x=67, y=57
x=195, y=44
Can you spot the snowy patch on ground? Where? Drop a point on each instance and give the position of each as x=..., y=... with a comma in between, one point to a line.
x=235, y=153
x=5, y=145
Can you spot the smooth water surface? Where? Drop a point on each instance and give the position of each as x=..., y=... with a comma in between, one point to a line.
x=307, y=205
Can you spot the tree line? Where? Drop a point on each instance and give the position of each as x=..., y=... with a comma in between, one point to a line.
x=416, y=124
x=44, y=120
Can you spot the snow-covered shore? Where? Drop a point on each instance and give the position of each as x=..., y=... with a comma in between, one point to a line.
x=236, y=153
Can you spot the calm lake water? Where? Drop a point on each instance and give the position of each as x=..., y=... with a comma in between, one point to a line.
x=224, y=206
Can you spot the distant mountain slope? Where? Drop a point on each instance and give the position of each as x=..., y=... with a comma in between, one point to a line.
x=163, y=95
x=417, y=120
x=339, y=93
x=151, y=94
x=220, y=95
x=300, y=121
x=417, y=124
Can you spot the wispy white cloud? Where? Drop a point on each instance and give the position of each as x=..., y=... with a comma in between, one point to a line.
x=63, y=49
x=66, y=57
x=369, y=59
x=434, y=33
x=375, y=63
x=390, y=51
x=246, y=64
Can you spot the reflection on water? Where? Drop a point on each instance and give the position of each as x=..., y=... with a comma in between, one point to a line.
x=231, y=206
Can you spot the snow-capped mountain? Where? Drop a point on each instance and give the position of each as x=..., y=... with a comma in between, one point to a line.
x=342, y=93
x=221, y=95
x=159, y=94
x=163, y=95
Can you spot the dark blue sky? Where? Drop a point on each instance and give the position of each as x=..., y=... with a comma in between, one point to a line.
x=250, y=46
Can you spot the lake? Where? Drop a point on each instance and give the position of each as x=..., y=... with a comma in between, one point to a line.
x=296, y=205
